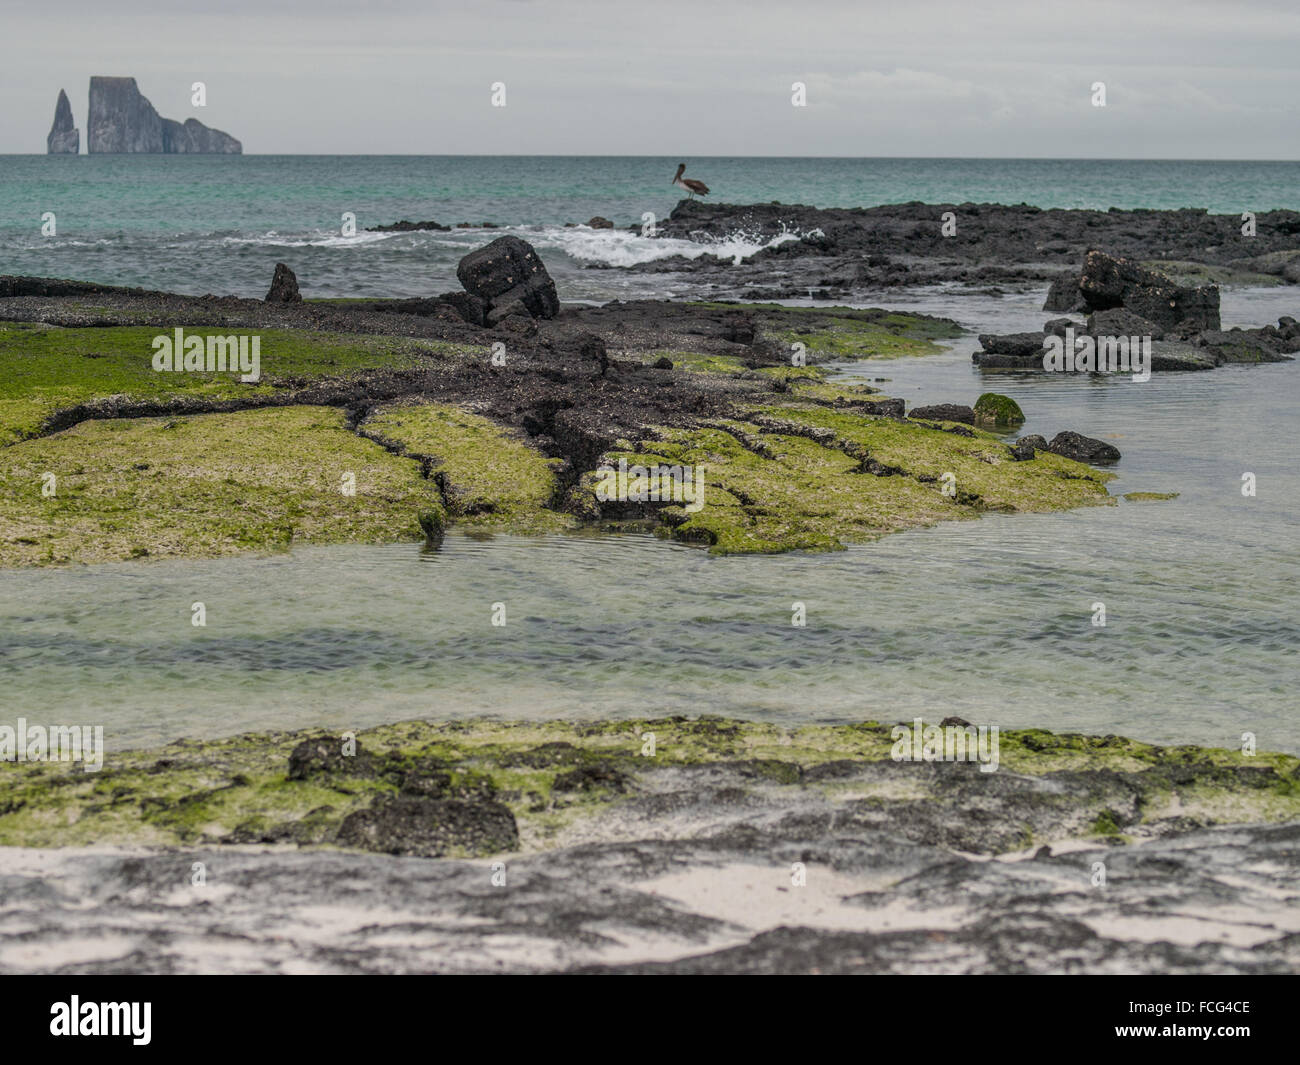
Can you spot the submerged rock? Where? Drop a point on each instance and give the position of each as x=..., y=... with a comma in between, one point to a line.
x=64, y=138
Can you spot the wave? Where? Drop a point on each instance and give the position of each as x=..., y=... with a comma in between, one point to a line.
x=623, y=248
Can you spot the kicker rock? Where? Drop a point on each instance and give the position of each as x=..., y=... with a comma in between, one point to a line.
x=123, y=120
x=64, y=138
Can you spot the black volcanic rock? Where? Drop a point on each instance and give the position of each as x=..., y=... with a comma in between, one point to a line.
x=409, y=227
x=944, y=412
x=284, y=286
x=508, y=271
x=1108, y=282
x=64, y=138
x=1082, y=448
x=123, y=120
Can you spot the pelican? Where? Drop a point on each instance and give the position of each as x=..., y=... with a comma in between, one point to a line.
x=689, y=184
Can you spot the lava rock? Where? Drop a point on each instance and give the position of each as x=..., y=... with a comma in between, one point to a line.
x=324, y=756
x=409, y=227
x=1083, y=448
x=1108, y=282
x=1022, y=344
x=284, y=286
x=1024, y=449
x=1118, y=322
x=509, y=271
x=412, y=826
x=998, y=410
x=944, y=412
x=600, y=223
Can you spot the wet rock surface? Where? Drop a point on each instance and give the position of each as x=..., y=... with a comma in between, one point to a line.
x=831, y=253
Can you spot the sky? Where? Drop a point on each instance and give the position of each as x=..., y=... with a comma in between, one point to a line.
x=1183, y=78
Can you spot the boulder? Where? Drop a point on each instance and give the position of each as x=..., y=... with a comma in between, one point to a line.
x=471, y=309
x=284, y=286
x=64, y=138
x=1175, y=355
x=944, y=412
x=600, y=223
x=1026, y=447
x=997, y=410
x=508, y=271
x=1118, y=322
x=1108, y=282
x=413, y=826
x=1022, y=344
x=1064, y=297
x=1082, y=448
x=1243, y=345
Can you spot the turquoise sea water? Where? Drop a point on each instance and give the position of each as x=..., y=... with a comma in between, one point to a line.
x=219, y=223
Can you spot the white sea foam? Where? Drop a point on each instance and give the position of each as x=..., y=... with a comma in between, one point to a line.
x=320, y=239
x=622, y=247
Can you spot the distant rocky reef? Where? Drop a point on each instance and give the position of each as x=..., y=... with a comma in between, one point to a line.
x=64, y=138
x=123, y=120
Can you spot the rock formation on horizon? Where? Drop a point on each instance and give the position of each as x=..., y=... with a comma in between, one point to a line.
x=64, y=137
x=123, y=120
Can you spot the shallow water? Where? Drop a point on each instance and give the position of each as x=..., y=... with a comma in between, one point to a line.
x=988, y=619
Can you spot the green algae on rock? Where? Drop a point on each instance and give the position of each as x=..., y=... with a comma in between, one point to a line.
x=480, y=787
x=488, y=476
x=45, y=369
x=206, y=485
x=795, y=459
x=998, y=410
x=816, y=477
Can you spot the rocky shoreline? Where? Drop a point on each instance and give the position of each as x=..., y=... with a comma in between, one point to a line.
x=847, y=253
x=669, y=844
x=494, y=407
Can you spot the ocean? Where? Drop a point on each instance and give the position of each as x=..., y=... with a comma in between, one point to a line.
x=218, y=224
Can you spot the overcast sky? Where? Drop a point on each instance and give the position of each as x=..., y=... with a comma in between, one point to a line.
x=1184, y=78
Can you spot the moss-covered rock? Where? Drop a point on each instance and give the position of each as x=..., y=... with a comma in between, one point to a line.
x=206, y=485
x=997, y=410
x=479, y=787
